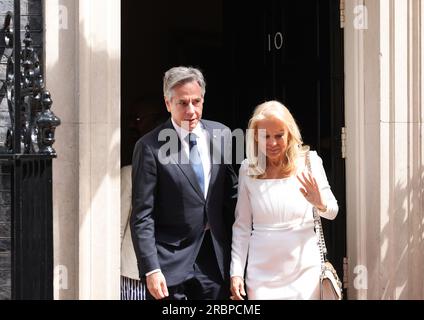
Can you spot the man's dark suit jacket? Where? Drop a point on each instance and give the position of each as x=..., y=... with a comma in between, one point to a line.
x=169, y=210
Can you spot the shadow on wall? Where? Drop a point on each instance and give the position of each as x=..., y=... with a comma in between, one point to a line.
x=401, y=244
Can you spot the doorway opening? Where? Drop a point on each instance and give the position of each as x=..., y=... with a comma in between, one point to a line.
x=156, y=36
x=249, y=53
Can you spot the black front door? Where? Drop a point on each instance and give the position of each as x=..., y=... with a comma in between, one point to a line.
x=292, y=51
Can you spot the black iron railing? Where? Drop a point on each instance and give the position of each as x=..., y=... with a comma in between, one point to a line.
x=27, y=157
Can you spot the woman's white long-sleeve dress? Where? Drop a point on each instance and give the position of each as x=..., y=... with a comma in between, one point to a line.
x=274, y=233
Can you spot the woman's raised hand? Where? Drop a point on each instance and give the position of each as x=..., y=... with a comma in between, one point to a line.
x=311, y=191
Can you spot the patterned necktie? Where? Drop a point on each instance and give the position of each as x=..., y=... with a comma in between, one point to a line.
x=196, y=161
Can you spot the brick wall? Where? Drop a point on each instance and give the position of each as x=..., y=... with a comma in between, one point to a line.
x=31, y=12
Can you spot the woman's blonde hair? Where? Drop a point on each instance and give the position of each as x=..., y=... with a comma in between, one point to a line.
x=267, y=110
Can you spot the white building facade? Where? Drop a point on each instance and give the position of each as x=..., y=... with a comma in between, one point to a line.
x=384, y=165
x=384, y=88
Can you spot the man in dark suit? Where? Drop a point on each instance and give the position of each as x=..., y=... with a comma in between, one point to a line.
x=183, y=197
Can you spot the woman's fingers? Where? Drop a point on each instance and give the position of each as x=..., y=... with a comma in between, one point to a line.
x=243, y=293
x=308, y=178
x=310, y=188
x=237, y=288
x=236, y=293
x=308, y=182
x=301, y=181
x=315, y=182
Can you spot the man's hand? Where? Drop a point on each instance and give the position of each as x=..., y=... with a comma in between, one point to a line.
x=237, y=288
x=156, y=284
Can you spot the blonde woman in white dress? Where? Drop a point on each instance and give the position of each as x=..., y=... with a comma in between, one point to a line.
x=274, y=248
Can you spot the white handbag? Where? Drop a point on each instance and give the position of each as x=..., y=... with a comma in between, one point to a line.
x=330, y=284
